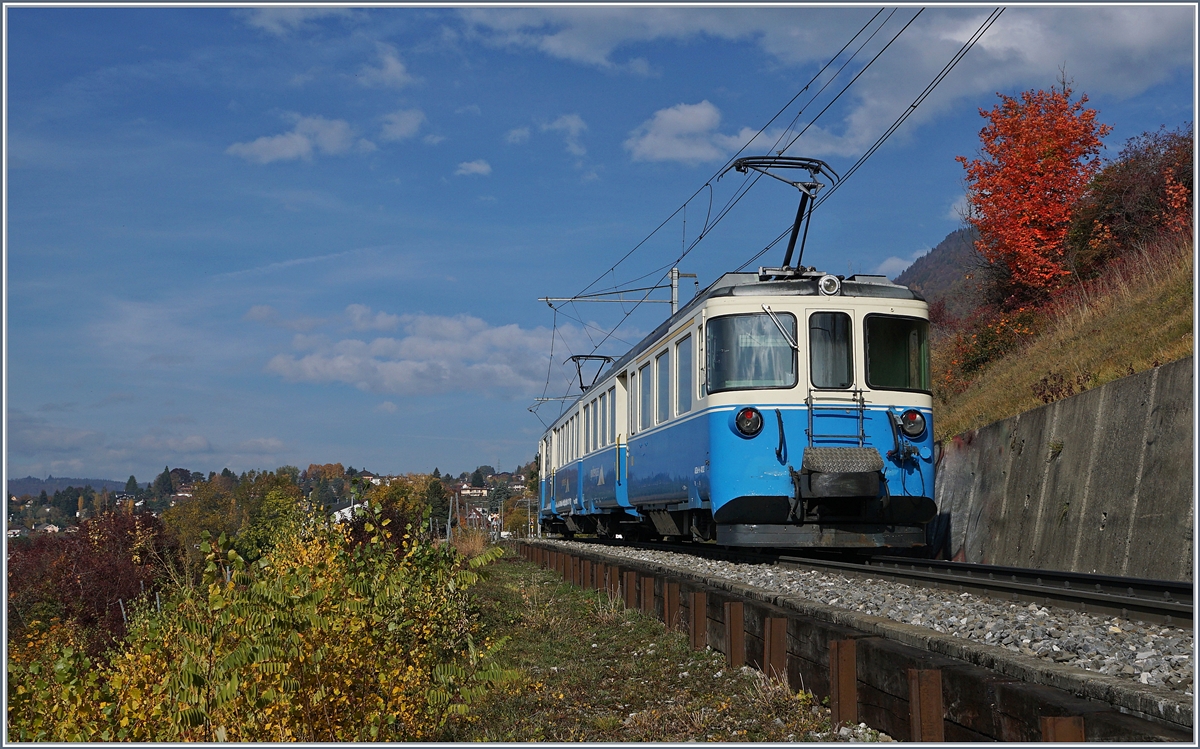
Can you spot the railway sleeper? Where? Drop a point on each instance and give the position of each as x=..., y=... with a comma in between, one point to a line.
x=902, y=690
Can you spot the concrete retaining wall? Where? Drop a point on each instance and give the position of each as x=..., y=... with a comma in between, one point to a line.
x=1099, y=482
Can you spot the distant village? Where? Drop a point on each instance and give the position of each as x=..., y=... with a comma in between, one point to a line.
x=477, y=499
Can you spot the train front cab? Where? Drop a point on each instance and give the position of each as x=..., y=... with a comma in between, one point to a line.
x=821, y=427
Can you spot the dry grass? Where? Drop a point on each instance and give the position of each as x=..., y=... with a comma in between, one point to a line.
x=1137, y=316
x=470, y=542
x=592, y=670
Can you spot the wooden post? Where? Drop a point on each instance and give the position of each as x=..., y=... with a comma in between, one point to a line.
x=775, y=647
x=587, y=575
x=843, y=682
x=631, y=600
x=614, y=580
x=598, y=571
x=735, y=635
x=699, y=624
x=670, y=604
x=1063, y=729
x=576, y=571
x=925, y=713
x=648, y=595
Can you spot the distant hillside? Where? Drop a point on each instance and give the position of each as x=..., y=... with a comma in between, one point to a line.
x=941, y=274
x=51, y=484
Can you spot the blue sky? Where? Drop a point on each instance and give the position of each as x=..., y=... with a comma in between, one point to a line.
x=252, y=237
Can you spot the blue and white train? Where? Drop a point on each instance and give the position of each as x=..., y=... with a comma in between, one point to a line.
x=782, y=409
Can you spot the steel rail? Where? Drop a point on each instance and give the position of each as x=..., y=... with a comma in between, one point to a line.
x=1155, y=601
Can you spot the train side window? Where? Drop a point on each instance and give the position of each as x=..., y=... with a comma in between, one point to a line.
x=587, y=430
x=683, y=370
x=646, y=404
x=612, y=415
x=595, y=426
x=633, y=403
x=897, y=353
x=829, y=350
x=662, y=369
x=750, y=352
x=602, y=416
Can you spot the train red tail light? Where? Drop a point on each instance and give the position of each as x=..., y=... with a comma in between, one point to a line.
x=912, y=423
x=749, y=421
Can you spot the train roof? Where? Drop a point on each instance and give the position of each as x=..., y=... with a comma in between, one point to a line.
x=752, y=284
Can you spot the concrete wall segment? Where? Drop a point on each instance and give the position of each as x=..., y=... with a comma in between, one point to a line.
x=1164, y=483
x=1099, y=482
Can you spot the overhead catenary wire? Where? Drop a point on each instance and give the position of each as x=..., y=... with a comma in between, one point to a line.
x=748, y=183
x=958, y=56
x=731, y=159
x=954, y=60
x=708, y=184
x=745, y=188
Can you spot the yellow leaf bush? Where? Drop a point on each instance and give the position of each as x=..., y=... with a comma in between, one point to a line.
x=322, y=639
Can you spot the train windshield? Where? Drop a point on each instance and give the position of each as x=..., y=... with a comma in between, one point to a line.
x=897, y=353
x=747, y=352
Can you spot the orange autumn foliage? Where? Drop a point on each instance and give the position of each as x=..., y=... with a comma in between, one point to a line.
x=1039, y=152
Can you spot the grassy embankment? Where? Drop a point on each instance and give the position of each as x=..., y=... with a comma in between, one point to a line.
x=1137, y=316
x=591, y=670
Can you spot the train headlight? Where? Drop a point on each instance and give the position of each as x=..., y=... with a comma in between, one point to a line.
x=829, y=285
x=748, y=421
x=912, y=423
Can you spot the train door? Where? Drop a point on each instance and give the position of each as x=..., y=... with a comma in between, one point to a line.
x=835, y=407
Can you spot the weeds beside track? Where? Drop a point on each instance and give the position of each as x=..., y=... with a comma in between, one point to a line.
x=592, y=670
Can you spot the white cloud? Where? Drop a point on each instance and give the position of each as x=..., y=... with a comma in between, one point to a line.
x=268, y=315
x=469, y=109
x=311, y=134
x=683, y=132
x=264, y=445
x=591, y=36
x=362, y=319
x=386, y=407
x=1118, y=50
x=401, y=124
x=958, y=209
x=433, y=354
x=433, y=140
x=191, y=444
x=391, y=72
x=894, y=266
x=517, y=135
x=571, y=125
x=479, y=166
x=33, y=435
x=281, y=21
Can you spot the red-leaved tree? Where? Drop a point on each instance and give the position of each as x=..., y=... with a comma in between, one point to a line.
x=1039, y=152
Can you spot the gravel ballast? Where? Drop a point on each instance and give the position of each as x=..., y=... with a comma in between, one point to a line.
x=1154, y=655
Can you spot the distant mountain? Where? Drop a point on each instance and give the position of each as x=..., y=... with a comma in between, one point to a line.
x=51, y=484
x=941, y=274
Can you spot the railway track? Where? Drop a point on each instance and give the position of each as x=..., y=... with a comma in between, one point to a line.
x=1158, y=601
